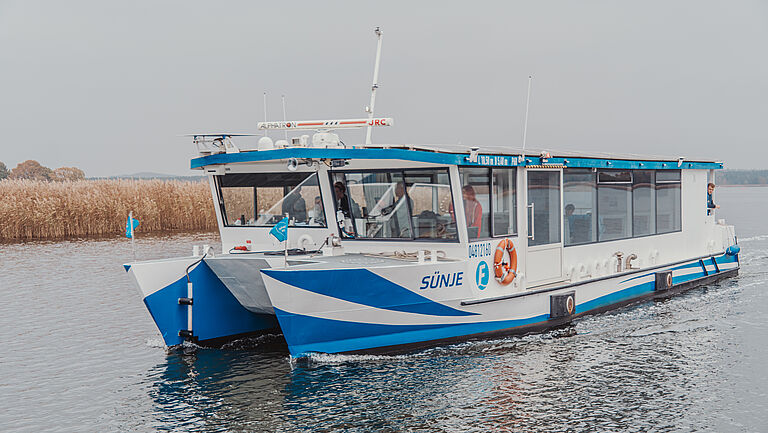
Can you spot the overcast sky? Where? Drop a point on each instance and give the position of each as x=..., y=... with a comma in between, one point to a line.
x=110, y=86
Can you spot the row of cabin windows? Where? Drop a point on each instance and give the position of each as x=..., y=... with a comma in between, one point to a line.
x=417, y=204
x=618, y=204
x=381, y=204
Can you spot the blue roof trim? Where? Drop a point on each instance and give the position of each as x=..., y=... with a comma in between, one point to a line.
x=484, y=160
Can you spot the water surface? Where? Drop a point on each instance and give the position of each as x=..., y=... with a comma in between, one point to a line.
x=80, y=353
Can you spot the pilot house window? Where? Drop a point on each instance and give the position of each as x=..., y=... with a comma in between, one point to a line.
x=263, y=199
x=395, y=204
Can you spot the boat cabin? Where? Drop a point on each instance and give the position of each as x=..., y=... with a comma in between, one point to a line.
x=570, y=216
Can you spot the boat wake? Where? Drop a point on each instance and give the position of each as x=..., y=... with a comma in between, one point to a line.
x=155, y=343
x=335, y=359
x=754, y=238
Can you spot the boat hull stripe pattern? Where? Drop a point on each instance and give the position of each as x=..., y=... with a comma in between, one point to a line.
x=305, y=333
x=364, y=287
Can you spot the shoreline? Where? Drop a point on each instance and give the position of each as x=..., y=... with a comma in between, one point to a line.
x=116, y=237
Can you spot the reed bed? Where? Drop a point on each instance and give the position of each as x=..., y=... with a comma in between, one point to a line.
x=56, y=210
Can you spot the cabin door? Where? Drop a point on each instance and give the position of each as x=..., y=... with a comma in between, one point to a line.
x=544, y=258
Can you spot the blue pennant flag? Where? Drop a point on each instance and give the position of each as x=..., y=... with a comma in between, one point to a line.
x=280, y=230
x=128, y=231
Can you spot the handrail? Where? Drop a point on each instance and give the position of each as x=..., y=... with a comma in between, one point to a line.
x=579, y=283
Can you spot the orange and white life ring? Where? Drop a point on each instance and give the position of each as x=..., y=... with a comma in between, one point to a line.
x=505, y=272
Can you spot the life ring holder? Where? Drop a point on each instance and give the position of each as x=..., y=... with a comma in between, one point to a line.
x=505, y=272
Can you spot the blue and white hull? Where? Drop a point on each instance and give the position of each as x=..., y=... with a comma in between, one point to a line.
x=388, y=309
x=215, y=313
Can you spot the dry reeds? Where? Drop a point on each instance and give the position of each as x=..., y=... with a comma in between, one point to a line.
x=53, y=210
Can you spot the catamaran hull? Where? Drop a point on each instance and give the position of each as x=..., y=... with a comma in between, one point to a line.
x=216, y=313
x=384, y=310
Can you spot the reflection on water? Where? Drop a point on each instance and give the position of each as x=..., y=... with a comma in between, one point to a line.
x=80, y=353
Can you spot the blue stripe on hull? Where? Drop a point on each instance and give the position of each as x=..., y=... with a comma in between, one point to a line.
x=306, y=334
x=364, y=287
x=216, y=313
x=646, y=288
x=615, y=297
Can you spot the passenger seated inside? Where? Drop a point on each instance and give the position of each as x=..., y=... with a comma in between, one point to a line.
x=318, y=216
x=398, y=223
x=343, y=203
x=295, y=206
x=578, y=228
x=399, y=194
x=473, y=211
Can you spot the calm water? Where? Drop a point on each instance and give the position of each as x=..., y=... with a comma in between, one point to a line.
x=80, y=353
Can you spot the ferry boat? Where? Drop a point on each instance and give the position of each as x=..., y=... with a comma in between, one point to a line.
x=395, y=247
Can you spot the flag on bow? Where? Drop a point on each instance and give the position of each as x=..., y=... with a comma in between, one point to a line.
x=280, y=230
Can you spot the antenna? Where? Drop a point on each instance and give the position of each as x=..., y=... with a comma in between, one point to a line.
x=527, y=105
x=265, y=111
x=284, y=118
x=375, y=86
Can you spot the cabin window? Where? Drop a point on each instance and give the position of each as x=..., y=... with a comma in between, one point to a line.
x=544, y=198
x=475, y=192
x=614, y=195
x=431, y=204
x=643, y=203
x=504, y=201
x=263, y=199
x=580, y=211
x=489, y=199
x=396, y=204
x=668, y=201
x=604, y=205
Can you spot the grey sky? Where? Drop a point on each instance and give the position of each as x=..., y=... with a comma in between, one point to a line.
x=110, y=86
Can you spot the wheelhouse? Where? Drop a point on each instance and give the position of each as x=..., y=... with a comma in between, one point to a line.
x=570, y=216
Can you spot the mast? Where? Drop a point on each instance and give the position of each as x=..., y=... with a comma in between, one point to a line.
x=265, y=110
x=375, y=86
x=284, y=118
x=527, y=105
